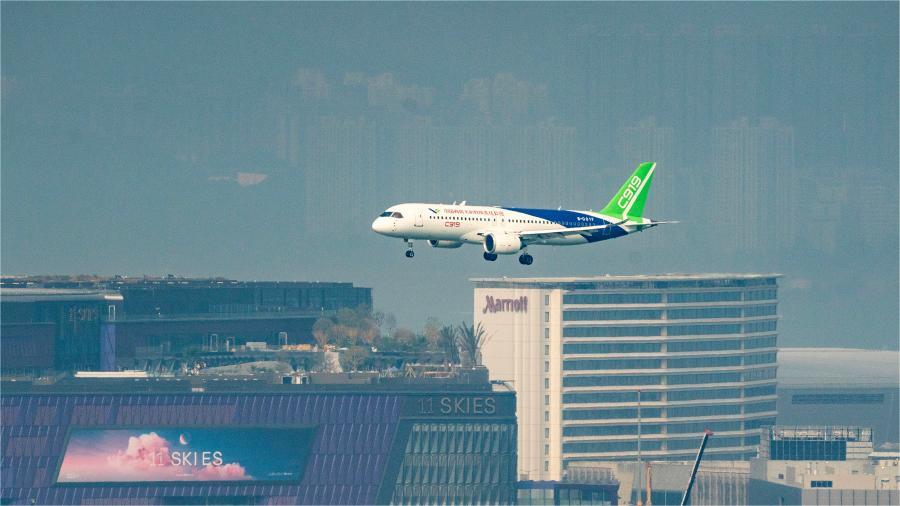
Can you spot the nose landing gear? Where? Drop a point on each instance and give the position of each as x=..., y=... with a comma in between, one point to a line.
x=409, y=250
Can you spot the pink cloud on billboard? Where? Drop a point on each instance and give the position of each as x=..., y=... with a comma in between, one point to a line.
x=167, y=454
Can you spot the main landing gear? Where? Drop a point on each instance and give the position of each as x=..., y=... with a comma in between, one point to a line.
x=409, y=251
x=526, y=259
x=490, y=257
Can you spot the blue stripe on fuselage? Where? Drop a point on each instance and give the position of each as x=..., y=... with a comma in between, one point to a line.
x=573, y=219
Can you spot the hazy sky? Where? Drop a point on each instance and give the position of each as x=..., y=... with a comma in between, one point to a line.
x=258, y=141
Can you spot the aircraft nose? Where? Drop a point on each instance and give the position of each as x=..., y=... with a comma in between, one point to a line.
x=379, y=225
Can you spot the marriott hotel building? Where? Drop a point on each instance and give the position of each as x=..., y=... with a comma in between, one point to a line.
x=597, y=361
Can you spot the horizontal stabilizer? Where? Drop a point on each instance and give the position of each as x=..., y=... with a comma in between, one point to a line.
x=649, y=224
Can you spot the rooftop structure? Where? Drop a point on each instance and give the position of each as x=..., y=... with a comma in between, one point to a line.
x=638, y=281
x=822, y=465
x=840, y=386
x=845, y=367
x=81, y=323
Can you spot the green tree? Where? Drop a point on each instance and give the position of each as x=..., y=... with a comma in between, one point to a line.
x=471, y=339
x=449, y=343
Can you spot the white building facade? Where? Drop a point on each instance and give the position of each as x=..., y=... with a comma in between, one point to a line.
x=606, y=367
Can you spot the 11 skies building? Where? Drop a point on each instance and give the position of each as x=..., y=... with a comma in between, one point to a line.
x=175, y=442
x=597, y=361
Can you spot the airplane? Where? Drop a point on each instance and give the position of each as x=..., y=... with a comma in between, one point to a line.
x=511, y=230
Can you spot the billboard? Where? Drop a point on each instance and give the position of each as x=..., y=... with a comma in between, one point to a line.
x=184, y=454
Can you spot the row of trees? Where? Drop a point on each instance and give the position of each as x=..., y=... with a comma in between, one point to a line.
x=359, y=330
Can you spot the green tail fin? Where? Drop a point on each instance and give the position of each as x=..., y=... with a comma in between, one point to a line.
x=629, y=201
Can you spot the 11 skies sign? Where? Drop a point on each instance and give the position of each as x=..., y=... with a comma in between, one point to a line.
x=185, y=454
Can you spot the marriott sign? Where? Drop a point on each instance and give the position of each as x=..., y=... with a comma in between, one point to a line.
x=492, y=305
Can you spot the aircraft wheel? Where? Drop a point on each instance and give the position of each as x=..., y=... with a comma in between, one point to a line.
x=490, y=257
x=526, y=259
x=410, y=253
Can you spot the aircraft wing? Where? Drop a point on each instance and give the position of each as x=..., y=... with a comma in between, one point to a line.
x=536, y=235
x=531, y=236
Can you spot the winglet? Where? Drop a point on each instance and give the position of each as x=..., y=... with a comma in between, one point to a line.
x=629, y=201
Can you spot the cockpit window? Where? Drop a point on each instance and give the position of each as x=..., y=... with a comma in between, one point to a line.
x=384, y=214
x=396, y=215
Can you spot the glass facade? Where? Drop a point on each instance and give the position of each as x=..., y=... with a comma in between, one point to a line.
x=766, y=310
x=674, y=298
x=610, y=413
x=694, y=330
x=699, y=427
x=814, y=442
x=760, y=342
x=716, y=393
x=456, y=463
x=599, y=365
x=585, y=348
x=699, y=362
x=696, y=348
x=597, y=381
x=619, y=314
x=808, y=450
x=609, y=446
x=611, y=331
x=700, y=348
x=696, y=379
x=695, y=411
x=612, y=298
x=712, y=345
x=759, y=391
x=375, y=447
x=765, y=326
x=589, y=397
x=611, y=430
x=546, y=493
x=707, y=312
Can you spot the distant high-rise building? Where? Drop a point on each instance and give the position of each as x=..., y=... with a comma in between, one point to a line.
x=337, y=160
x=610, y=367
x=752, y=189
x=734, y=74
x=646, y=141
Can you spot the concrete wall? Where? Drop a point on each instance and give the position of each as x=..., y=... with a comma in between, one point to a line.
x=514, y=352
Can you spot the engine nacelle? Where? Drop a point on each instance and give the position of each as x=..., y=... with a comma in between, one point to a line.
x=444, y=244
x=502, y=243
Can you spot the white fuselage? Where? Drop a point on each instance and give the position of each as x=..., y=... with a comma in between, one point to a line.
x=469, y=224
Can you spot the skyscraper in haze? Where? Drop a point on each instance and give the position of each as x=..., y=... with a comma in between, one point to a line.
x=753, y=191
